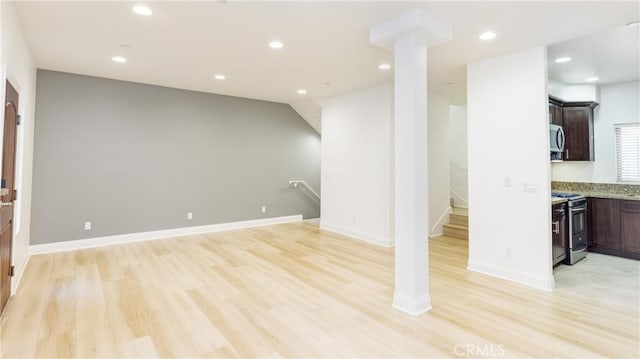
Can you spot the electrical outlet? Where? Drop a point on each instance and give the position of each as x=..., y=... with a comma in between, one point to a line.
x=508, y=252
x=189, y=216
x=507, y=181
x=263, y=209
x=87, y=226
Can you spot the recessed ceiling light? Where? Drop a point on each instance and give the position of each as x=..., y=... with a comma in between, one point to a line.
x=487, y=36
x=276, y=45
x=592, y=79
x=302, y=91
x=142, y=10
x=563, y=59
x=119, y=59
x=384, y=66
x=220, y=77
x=632, y=24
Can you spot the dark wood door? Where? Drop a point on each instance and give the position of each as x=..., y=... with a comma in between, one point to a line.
x=578, y=130
x=605, y=223
x=7, y=192
x=630, y=226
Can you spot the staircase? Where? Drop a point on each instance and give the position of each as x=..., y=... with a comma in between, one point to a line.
x=458, y=226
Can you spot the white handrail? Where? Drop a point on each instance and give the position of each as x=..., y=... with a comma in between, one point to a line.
x=295, y=183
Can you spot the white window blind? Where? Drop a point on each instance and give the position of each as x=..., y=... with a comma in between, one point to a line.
x=628, y=152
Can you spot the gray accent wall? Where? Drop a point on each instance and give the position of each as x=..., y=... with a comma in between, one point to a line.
x=133, y=158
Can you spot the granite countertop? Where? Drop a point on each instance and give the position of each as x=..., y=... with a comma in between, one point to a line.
x=556, y=200
x=610, y=195
x=630, y=192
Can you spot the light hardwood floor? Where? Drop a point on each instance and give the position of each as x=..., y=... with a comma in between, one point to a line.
x=291, y=291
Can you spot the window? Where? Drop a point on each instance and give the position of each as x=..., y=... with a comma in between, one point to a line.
x=628, y=152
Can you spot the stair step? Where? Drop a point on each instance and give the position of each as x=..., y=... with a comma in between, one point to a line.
x=459, y=219
x=455, y=231
x=456, y=226
x=460, y=211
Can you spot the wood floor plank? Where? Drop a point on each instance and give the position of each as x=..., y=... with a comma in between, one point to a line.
x=291, y=291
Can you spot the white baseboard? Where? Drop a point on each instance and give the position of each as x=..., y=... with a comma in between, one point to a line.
x=413, y=306
x=146, y=236
x=458, y=200
x=440, y=222
x=313, y=220
x=20, y=270
x=533, y=280
x=383, y=242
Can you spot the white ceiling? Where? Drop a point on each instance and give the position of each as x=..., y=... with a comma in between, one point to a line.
x=613, y=56
x=326, y=43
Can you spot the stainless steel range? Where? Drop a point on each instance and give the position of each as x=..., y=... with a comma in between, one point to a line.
x=577, y=243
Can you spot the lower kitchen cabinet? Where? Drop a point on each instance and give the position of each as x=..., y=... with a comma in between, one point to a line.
x=604, y=223
x=630, y=226
x=614, y=227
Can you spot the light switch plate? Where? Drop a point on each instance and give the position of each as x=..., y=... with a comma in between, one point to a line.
x=529, y=187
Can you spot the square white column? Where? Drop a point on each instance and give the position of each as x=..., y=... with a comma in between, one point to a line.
x=411, y=198
x=409, y=35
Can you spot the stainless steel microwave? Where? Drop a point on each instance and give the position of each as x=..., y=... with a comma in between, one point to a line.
x=556, y=138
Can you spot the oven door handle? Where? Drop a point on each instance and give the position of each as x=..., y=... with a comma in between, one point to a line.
x=578, y=209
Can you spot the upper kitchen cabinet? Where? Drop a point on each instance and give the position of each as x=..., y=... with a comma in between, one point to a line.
x=604, y=69
x=555, y=112
x=577, y=121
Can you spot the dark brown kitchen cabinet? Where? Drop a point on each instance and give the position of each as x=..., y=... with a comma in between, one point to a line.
x=559, y=232
x=555, y=112
x=577, y=122
x=603, y=226
x=614, y=227
x=630, y=226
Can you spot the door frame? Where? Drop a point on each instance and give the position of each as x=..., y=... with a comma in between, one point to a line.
x=4, y=77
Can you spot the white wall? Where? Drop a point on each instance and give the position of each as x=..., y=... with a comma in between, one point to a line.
x=356, y=164
x=18, y=67
x=582, y=93
x=458, y=155
x=619, y=103
x=310, y=110
x=438, y=149
x=573, y=92
x=510, y=234
x=557, y=89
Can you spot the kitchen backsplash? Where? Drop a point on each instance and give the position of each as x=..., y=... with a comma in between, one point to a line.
x=613, y=188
